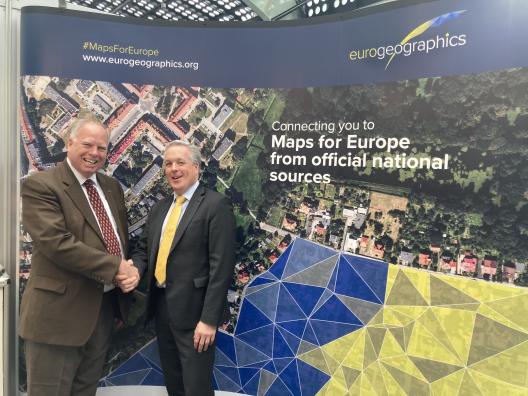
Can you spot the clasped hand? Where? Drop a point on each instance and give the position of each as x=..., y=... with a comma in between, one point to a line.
x=127, y=277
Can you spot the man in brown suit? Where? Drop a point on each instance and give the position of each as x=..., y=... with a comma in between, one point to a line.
x=77, y=220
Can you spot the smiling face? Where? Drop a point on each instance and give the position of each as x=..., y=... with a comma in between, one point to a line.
x=180, y=171
x=87, y=150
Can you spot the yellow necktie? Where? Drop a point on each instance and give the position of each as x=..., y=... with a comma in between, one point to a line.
x=166, y=240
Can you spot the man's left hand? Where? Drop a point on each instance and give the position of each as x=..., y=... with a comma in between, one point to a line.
x=127, y=277
x=204, y=336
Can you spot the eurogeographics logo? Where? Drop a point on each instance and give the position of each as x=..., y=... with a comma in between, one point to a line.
x=408, y=46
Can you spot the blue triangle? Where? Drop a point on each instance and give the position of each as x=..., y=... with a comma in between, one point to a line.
x=295, y=327
x=349, y=283
x=373, y=272
x=151, y=353
x=135, y=363
x=309, y=335
x=280, y=364
x=247, y=374
x=247, y=355
x=250, y=318
x=260, y=339
x=231, y=373
x=287, y=308
x=260, y=281
x=277, y=389
x=251, y=388
x=304, y=255
x=154, y=378
x=268, y=275
x=335, y=311
x=280, y=347
x=215, y=385
x=257, y=365
x=324, y=298
x=224, y=383
x=332, y=281
x=305, y=295
x=290, y=377
x=292, y=341
x=131, y=378
x=277, y=268
x=266, y=300
x=270, y=367
x=222, y=360
x=311, y=379
x=226, y=343
x=328, y=331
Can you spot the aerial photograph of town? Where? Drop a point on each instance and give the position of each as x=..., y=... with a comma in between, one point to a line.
x=467, y=216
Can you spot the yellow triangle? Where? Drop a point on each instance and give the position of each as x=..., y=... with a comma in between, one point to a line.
x=391, y=277
x=390, y=318
x=356, y=388
x=421, y=280
x=356, y=352
x=493, y=386
x=315, y=358
x=481, y=290
x=330, y=362
x=431, y=323
x=375, y=378
x=458, y=325
x=369, y=353
x=366, y=387
x=468, y=386
x=390, y=347
x=404, y=319
x=491, y=313
x=339, y=348
x=424, y=344
x=514, y=309
x=392, y=386
x=510, y=366
x=403, y=363
x=449, y=385
x=409, y=311
x=377, y=319
x=348, y=380
x=333, y=387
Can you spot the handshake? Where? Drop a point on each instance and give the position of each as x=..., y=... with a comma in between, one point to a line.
x=127, y=277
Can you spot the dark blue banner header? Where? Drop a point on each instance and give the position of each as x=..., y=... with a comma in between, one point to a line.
x=441, y=38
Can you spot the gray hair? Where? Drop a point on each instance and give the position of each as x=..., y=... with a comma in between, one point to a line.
x=194, y=151
x=85, y=119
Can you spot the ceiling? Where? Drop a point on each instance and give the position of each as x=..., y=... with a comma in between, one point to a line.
x=224, y=10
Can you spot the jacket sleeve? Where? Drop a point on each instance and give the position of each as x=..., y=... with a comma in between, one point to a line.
x=221, y=261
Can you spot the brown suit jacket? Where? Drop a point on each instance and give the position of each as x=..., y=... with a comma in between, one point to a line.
x=70, y=264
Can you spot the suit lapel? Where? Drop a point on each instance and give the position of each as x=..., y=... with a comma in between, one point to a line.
x=74, y=190
x=157, y=221
x=193, y=205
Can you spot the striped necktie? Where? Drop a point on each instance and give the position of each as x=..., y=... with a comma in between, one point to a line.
x=113, y=246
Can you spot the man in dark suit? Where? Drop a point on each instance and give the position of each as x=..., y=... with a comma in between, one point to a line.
x=187, y=251
x=77, y=220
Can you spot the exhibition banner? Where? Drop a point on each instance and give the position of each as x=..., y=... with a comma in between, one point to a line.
x=377, y=165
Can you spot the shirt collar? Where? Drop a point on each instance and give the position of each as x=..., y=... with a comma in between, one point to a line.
x=190, y=191
x=80, y=178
